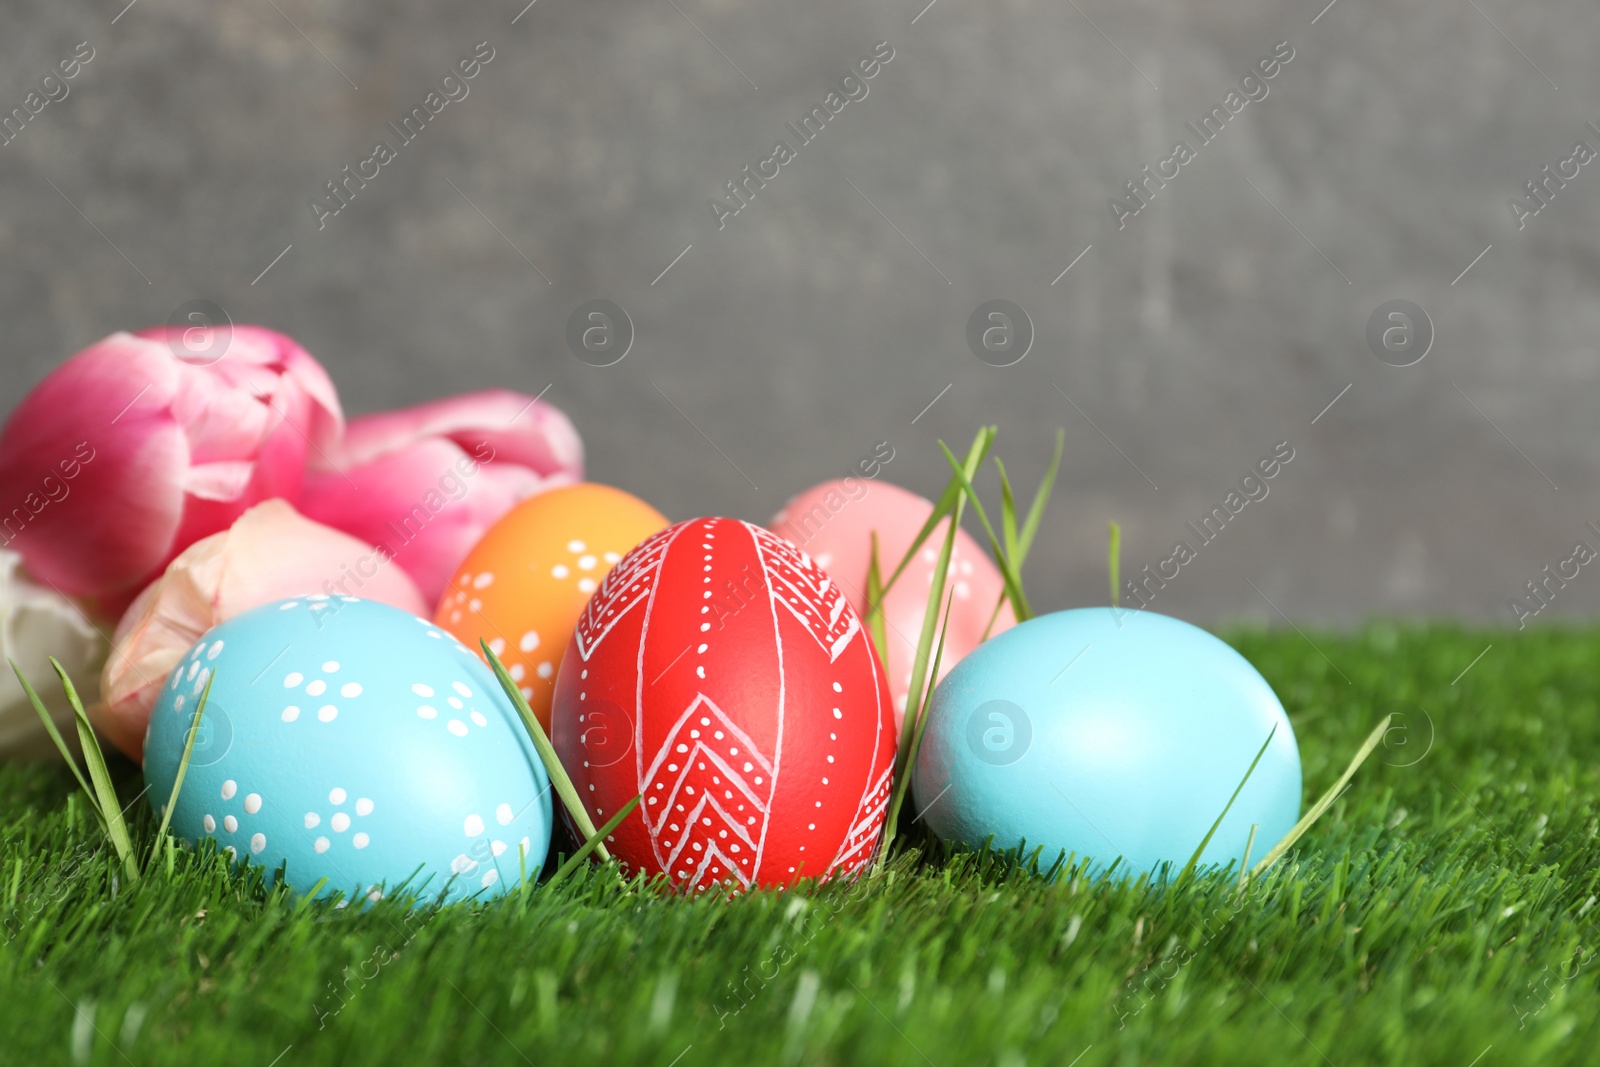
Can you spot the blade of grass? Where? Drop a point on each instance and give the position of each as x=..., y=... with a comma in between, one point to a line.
x=183, y=769
x=1244, y=861
x=906, y=758
x=309, y=897
x=994, y=616
x=941, y=509
x=1008, y=574
x=547, y=752
x=944, y=505
x=522, y=870
x=1114, y=561
x=1030, y=525
x=55, y=735
x=1188, y=868
x=1018, y=544
x=930, y=617
x=876, y=624
x=593, y=843
x=1008, y=511
x=1325, y=801
x=927, y=700
x=105, y=792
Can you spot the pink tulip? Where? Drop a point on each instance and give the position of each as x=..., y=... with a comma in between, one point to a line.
x=144, y=443
x=425, y=482
x=272, y=552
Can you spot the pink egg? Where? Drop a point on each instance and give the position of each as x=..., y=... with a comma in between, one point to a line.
x=834, y=523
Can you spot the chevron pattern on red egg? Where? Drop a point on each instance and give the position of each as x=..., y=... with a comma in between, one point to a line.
x=721, y=675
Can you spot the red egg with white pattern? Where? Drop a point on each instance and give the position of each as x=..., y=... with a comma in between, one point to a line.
x=724, y=678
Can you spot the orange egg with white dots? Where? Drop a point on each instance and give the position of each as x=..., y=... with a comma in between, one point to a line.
x=523, y=586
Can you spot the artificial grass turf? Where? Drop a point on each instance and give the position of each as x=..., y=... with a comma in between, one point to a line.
x=1443, y=911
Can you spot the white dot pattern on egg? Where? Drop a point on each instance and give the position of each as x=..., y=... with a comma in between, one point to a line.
x=322, y=768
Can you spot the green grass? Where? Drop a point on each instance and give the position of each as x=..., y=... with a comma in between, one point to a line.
x=1431, y=907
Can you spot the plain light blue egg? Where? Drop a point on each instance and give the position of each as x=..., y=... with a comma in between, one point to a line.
x=1107, y=733
x=352, y=742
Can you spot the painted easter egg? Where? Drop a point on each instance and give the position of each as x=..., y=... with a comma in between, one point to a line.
x=523, y=586
x=720, y=675
x=351, y=741
x=834, y=523
x=1108, y=733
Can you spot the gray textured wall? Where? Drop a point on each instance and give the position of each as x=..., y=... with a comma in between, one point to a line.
x=824, y=317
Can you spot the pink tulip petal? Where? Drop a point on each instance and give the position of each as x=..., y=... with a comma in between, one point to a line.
x=262, y=363
x=427, y=481
x=517, y=428
x=127, y=453
x=427, y=504
x=322, y=421
x=223, y=480
x=102, y=418
x=316, y=559
x=272, y=552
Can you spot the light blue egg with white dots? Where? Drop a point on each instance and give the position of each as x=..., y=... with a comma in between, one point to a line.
x=1107, y=733
x=350, y=741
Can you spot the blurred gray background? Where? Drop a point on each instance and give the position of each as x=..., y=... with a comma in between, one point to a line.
x=831, y=311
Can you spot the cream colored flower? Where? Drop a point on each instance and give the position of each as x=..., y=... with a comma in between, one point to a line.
x=36, y=623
